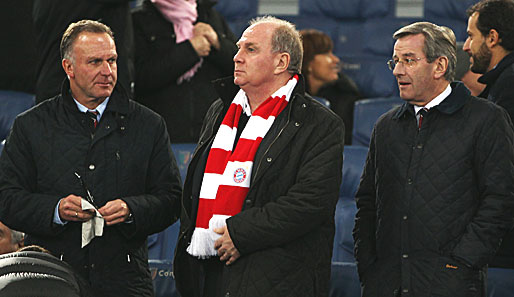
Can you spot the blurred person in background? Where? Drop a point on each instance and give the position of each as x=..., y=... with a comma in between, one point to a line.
x=52, y=17
x=321, y=69
x=10, y=240
x=181, y=46
x=464, y=74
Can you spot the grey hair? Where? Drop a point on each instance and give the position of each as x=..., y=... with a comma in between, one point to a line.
x=74, y=30
x=440, y=41
x=17, y=237
x=285, y=39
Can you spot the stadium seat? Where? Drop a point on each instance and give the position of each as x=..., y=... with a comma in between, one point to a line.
x=323, y=101
x=12, y=103
x=344, y=280
x=500, y=282
x=458, y=26
x=183, y=153
x=162, y=277
x=325, y=25
x=450, y=9
x=366, y=113
x=349, y=9
x=354, y=160
x=236, y=9
x=371, y=75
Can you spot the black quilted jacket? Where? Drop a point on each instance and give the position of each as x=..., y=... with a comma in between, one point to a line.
x=500, y=90
x=433, y=205
x=129, y=157
x=286, y=228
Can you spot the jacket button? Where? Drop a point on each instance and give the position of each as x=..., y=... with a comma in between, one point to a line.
x=152, y=38
x=107, y=127
x=297, y=124
x=409, y=181
x=122, y=117
x=420, y=146
x=92, y=167
x=405, y=218
x=269, y=159
x=248, y=201
x=304, y=105
x=405, y=256
x=227, y=295
x=122, y=128
x=405, y=290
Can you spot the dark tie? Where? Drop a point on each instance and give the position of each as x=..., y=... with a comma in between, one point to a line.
x=422, y=113
x=94, y=120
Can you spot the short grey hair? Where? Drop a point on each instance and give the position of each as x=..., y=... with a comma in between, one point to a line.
x=440, y=41
x=75, y=29
x=17, y=237
x=285, y=39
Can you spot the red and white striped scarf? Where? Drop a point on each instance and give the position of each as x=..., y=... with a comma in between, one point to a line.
x=227, y=175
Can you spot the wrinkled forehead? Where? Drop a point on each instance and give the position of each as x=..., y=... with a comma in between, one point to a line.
x=258, y=33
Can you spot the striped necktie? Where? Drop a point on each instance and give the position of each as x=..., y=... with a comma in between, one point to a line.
x=93, y=115
x=422, y=113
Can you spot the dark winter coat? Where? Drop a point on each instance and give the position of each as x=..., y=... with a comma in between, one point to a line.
x=160, y=61
x=129, y=157
x=285, y=230
x=342, y=95
x=500, y=90
x=52, y=17
x=434, y=204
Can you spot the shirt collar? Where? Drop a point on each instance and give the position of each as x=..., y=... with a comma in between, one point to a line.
x=100, y=108
x=436, y=101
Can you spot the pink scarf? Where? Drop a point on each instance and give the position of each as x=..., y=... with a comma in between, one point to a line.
x=182, y=14
x=227, y=175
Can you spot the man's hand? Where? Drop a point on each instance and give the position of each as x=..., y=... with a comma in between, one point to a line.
x=70, y=209
x=114, y=212
x=225, y=246
x=208, y=32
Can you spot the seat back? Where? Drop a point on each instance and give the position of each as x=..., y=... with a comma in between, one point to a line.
x=366, y=113
x=162, y=278
x=12, y=103
x=344, y=280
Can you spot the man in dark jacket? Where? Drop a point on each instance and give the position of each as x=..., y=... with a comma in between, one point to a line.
x=277, y=238
x=91, y=146
x=435, y=197
x=490, y=45
x=52, y=17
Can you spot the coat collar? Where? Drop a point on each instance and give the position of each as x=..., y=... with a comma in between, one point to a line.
x=118, y=102
x=491, y=76
x=457, y=98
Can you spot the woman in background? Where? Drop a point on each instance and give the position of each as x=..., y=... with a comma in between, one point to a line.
x=321, y=69
x=181, y=46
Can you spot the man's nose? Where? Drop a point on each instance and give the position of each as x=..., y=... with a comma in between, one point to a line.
x=106, y=68
x=465, y=46
x=237, y=56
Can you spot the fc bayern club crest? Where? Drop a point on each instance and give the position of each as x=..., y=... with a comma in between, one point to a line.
x=239, y=175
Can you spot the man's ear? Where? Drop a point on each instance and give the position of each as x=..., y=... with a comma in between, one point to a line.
x=492, y=39
x=67, y=65
x=282, y=63
x=441, y=66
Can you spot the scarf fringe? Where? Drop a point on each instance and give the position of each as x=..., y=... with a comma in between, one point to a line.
x=202, y=242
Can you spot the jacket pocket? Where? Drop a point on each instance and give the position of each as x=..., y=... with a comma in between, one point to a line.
x=456, y=280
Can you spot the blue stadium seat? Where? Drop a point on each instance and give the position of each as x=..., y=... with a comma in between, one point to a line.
x=458, y=26
x=354, y=157
x=451, y=9
x=323, y=101
x=12, y=103
x=162, y=277
x=366, y=113
x=354, y=160
x=371, y=75
x=344, y=280
x=348, y=9
x=161, y=246
x=236, y=9
x=325, y=25
x=500, y=282
x=350, y=38
x=183, y=153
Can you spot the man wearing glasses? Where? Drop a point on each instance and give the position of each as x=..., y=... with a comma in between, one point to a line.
x=436, y=195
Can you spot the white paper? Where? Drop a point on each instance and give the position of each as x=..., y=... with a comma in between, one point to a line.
x=93, y=227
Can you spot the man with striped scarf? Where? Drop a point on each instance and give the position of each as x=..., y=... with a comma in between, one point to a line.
x=261, y=189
